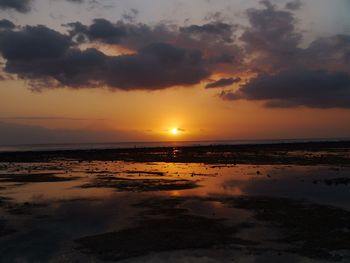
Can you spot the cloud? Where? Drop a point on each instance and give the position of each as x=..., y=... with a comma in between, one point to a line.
x=131, y=15
x=294, y=5
x=105, y=31
x=54, y=61
x=100, y=30
x=216, y=29
x=6, y=24
x=271, y=38
x=76, y=1
x=131, y=35
x=273, y=44
x=222, y=83
x=287, y=74
x=22, y=6
x=329, y=53
x=158, y=66
x=293, y=88
x=44, y=43
x=215, y=40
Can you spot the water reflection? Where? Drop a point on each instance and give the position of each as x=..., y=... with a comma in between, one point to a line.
x=44, y=218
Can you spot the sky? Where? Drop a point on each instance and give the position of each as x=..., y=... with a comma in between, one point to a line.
x=74, y=71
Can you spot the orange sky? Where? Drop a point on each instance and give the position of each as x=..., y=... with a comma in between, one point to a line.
x=198, y=111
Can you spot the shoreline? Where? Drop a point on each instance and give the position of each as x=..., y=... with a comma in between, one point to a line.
x=328, y=152
x=48, y=147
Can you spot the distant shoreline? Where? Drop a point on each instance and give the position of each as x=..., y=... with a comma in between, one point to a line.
x=305, y=153
x=43, y=147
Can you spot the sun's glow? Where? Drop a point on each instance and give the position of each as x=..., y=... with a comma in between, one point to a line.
x=174, y=131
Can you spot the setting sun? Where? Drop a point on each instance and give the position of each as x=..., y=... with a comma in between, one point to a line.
x=174, y=131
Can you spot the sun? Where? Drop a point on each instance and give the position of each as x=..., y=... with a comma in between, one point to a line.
x=174, y=131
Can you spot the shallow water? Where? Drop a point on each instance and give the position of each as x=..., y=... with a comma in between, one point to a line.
x=41, y=221
x=124, y=145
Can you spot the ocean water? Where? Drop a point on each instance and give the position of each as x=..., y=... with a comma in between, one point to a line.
x=126, y=145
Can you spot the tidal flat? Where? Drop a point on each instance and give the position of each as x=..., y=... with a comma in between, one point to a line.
x=254, y=203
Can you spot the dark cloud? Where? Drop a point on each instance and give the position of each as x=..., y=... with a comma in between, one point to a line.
x=273, y=51
x=157, y=66
x=76, y=1
x=222, y=83
x=32, y=43
x=137, y=35
x=70, y=69
x=52, y=59
x=309, y=88
x=223, y=58
x=131, y=35
x=131, y=15
x=294, y=5
x=329, y=53
x=6, y=24
x=275, y=44
x=217, y=29
x=213, y=39
x=22, y=6
x=100, y=30
x=271, y=38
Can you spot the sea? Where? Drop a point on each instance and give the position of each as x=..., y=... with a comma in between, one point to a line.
x=128, y=145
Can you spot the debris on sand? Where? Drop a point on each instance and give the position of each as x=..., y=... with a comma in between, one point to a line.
x=34, y=178
x=140, y=185
x=204, y=175
x=145, y=173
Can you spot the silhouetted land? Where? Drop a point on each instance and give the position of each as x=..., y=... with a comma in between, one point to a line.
x=337, y=153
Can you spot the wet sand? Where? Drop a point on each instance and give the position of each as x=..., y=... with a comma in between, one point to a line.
x=286, y=153
x=248, y=203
